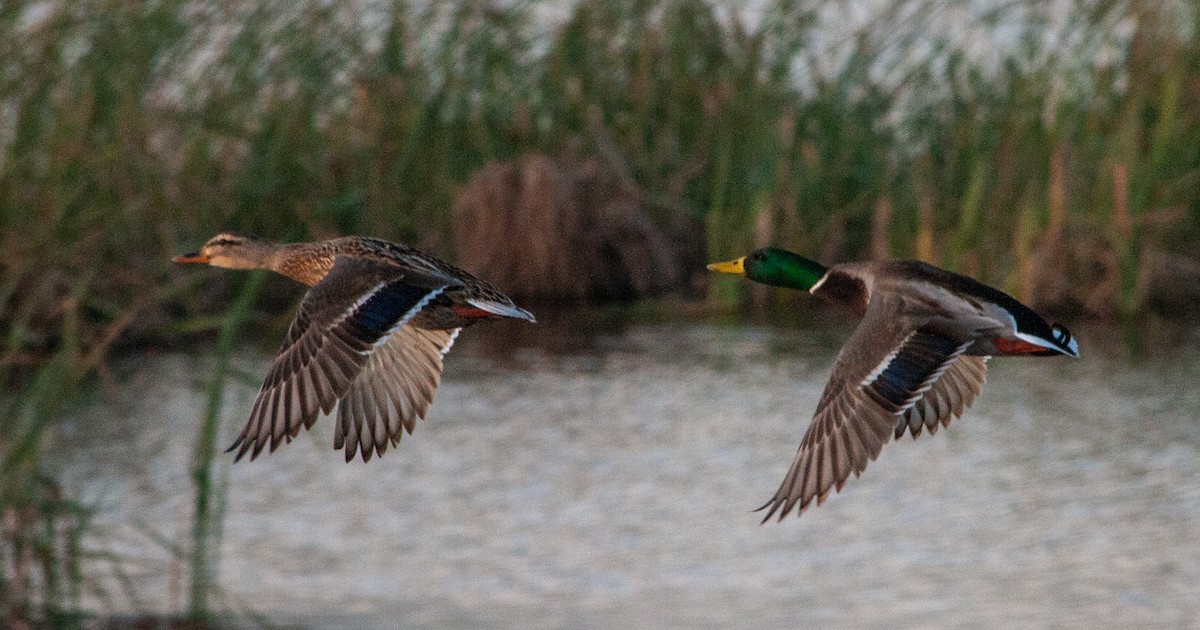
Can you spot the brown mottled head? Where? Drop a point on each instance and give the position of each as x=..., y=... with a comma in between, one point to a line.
x=232, y=251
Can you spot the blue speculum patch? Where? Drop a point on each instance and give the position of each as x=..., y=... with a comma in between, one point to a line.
x=387, y=306
x=917, y=359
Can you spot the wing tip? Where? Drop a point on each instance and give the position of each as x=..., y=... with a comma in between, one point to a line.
x=773, y=507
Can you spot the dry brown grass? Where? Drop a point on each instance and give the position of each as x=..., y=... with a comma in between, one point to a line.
x=544, y=228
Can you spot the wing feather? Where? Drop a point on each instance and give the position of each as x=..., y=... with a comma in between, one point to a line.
x=892, y=372
x=335, y=332
x=950, y=396
x=403, y=372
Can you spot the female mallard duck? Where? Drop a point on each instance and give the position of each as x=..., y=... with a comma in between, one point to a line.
x=917, y=358
x=369, y=336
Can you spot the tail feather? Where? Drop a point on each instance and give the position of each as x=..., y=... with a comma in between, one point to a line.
x=502, y=309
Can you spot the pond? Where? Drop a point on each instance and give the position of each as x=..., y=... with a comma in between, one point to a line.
x=607, y=477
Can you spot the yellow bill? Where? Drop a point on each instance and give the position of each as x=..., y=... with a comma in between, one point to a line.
x=735, y=267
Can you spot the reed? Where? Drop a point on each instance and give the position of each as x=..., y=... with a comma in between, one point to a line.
x=208, y=502
x=44, y=533
x=323, y=120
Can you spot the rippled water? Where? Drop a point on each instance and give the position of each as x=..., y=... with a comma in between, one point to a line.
x=610, y=483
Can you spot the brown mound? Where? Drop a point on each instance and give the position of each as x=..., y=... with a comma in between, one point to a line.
x=540, y=229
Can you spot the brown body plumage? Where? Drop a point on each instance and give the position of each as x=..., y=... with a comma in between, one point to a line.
x=368, y=338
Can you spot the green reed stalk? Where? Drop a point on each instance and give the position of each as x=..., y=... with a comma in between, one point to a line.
x=205, y=526
x=40, y=528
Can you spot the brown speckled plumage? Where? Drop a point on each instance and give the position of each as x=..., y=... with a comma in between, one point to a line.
x=368, y=337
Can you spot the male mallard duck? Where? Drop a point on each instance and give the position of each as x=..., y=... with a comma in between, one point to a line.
x=369, y=336
x=917, y=358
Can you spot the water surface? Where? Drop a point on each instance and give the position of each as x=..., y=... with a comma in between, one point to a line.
x=610, y=481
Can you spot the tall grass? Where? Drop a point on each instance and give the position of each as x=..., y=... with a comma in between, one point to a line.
x=1064, y=169
x=134, y=130
x=45, y=543
x=208, y=507
x=40, y=550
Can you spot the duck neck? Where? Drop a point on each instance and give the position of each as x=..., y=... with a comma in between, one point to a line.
x=302, y=262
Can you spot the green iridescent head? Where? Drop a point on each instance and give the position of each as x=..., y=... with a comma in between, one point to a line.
x=775, y=267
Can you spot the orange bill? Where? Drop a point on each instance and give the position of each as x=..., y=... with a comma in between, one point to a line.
x=194, y=257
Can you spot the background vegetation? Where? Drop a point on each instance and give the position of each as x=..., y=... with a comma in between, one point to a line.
x=1060, y=160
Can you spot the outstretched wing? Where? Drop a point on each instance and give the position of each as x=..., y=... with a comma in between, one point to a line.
x=885, y=368
x=948, y=398
x=394, y=389
x=340, y=323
